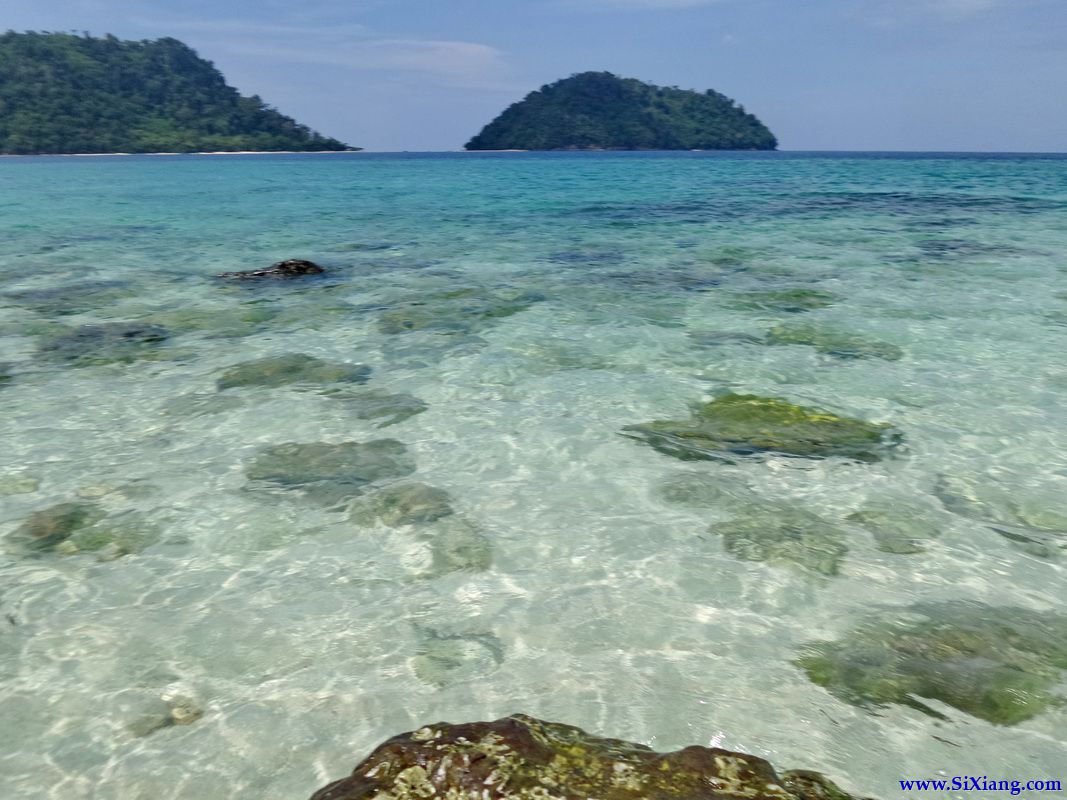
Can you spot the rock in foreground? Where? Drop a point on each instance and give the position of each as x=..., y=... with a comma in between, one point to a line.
x=742, y=424
x=522, y=757
x=283, y=270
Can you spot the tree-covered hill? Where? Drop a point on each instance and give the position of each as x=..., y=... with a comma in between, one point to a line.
x=62, y=93
x=598, y=110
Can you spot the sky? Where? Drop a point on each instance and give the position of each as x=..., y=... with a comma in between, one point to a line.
x=985, y=75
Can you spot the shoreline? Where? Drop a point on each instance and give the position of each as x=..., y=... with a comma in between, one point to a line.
x=195, y=153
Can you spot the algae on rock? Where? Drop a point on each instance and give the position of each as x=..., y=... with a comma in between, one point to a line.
x=998, y=664
x=741, y=425
x=833, y=343
x=523, y=758
x=291, y=368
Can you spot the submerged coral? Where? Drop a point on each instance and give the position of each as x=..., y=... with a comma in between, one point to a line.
x=75, y=528
x=217, y=323
x=379, y=406
x=790, y=301
x=998, y=664
x=783, y=536
x=45, y=530
x=897, y=525
x=446, y=658
x=747, y=424
x=291, y=368
x=458, y=546
x=113, y=342
x=403, y=504
x=455, y=311
x=1032, y=518
x=833, y=343
x=526, y=759
x=330, y=473
x=76, y=298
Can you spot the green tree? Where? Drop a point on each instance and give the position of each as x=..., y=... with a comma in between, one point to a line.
x=65, y=93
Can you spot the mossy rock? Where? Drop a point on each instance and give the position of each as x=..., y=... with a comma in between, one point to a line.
x=379, y=406
x=109, y=343
x=782, y=536
x=455, y=311
x=833, y=343
x=77, y=298
x=897, y=527
x=289, y=369
x=403, y=504
x=743, y=425
x=330, y=473
x=789, y=301
x=998, y=664
x=47, y=529
x=523, y=758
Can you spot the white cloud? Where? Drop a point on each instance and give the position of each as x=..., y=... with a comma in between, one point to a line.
x=228, y=27
x=453, y=63
x=890, y=13
x=636, y=5
x=353, y=46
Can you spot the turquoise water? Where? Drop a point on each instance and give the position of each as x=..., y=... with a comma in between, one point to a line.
x=225, y=636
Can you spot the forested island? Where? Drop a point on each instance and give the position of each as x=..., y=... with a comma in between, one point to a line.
x=601, y=111
x=64, y=93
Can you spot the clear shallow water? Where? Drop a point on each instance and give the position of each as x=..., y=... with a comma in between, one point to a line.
x=304, y=638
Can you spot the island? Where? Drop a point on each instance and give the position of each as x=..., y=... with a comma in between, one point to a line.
x=601, y=111
x=65, y=93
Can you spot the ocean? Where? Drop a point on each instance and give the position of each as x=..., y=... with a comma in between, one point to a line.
x=213, y=587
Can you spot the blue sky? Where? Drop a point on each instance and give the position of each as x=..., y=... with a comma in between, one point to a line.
x=823, y=74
